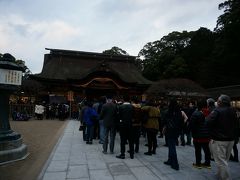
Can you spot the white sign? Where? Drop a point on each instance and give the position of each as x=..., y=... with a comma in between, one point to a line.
x=11, y=77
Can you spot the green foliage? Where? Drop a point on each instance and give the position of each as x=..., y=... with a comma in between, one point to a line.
x=177, y=68
x=115, y=51
x=164, y=58
x=9, y=57
x=226, y=52
x=210, y=58
x=231, y=17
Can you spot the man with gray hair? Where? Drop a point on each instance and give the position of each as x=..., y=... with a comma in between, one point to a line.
x=211, y=104
x=222, y=122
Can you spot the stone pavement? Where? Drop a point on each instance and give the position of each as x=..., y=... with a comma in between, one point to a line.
x=73, y=159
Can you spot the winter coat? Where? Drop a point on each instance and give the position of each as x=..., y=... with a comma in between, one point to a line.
x=89, y=116
x=125, y=115
x=109, y=114
x=137, y=115
x=222, y=123
x=153, y=117
x=198, y=126
x=174, y=123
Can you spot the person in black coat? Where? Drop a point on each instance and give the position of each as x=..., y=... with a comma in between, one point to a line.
x=125, y=127
x=172, y=128
x=222, y=123
x=200, y=134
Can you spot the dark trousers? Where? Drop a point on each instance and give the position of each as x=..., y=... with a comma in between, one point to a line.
x=198, y=147
x=126, y=133
x=90, y=131
x=152, y=140
x=84, y=132
x=96, y=130
x=234, y=157
x=182, y=137
x=136, y=136
x=172, y=153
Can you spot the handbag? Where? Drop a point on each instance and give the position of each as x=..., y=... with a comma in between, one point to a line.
x=81, y=128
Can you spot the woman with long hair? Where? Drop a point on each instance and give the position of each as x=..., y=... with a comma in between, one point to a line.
x=173, y=125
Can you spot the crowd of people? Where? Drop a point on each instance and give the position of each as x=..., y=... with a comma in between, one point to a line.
x=52, y=111
x=210, y=126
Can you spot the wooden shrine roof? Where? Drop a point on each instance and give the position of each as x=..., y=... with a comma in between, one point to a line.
x=65, y=65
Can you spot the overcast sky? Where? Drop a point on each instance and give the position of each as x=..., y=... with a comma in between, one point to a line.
x=27, y=27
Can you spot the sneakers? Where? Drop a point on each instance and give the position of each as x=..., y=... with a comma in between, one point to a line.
x=204, y=165
x=198, y=166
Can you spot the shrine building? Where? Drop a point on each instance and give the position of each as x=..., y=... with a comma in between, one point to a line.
x=74, y=75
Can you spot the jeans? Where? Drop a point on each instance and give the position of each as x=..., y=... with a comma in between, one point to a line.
x=101, y=131
x=112, y=132
x=221, y=151
x=90, y=131
x=172, y=153
x=84, y=133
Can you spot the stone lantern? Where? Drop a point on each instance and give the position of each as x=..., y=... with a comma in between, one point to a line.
x=11, y=146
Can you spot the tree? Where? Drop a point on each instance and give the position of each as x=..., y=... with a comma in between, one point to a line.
x=115, y=51
x=163, y=58
x=231, y=17
x=21, y=63
x=226, y=51
x=177, y=68
x=210, y=58
x=198, y=56
x=26, y=71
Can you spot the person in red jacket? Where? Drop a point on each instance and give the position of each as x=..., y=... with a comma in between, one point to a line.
x=200, y=134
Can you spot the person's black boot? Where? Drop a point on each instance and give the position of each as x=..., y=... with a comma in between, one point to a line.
x=121, y=156
x=132, y=156
x=167, y=163
x=148, y=153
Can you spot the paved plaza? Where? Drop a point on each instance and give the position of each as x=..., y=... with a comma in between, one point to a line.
x=73, y=159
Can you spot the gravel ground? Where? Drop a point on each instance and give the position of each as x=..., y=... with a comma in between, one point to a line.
x=40, y=136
